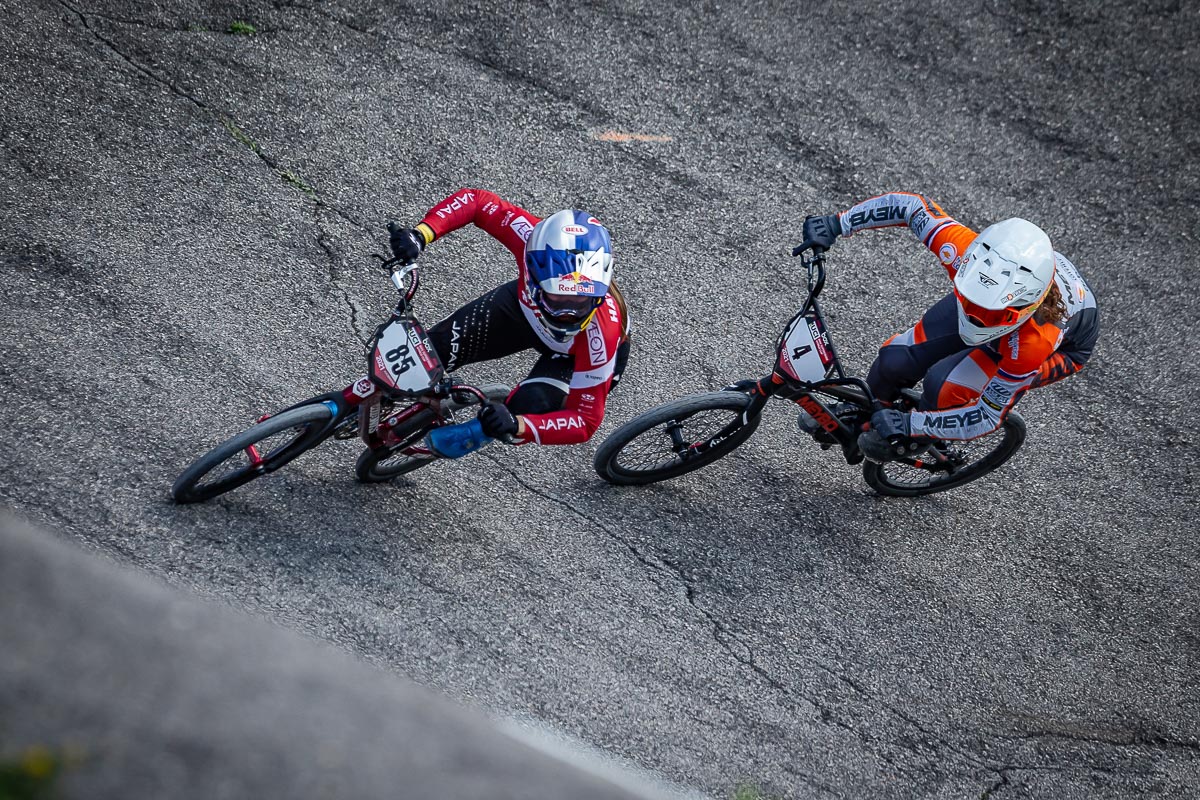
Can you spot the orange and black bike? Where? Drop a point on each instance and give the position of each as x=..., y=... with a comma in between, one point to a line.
x=687, y=434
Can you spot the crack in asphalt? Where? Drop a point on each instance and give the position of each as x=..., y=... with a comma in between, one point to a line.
x=726, y=639
x=721, y=633
x=335, y=278
x=1134, y=739
x=327, y=15
x=286, y=175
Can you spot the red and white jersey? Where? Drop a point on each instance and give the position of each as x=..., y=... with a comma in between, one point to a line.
x=1022, y=353
x=594, y=349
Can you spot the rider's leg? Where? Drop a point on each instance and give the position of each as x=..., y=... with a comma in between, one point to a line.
x=491, y=326
x=905, y=358
x=546, y=388
x=959, y=379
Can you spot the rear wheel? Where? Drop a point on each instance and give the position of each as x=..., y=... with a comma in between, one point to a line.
x=675, y=438
x=254, y=452
x=947, y=464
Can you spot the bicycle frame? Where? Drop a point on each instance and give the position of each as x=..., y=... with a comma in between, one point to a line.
x=402, y=366
x=806, y=362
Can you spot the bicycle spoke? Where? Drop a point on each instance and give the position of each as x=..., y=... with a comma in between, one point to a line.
x=674, y=440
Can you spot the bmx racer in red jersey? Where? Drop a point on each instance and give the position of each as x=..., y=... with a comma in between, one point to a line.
x=1020, y=317
x=563, y=305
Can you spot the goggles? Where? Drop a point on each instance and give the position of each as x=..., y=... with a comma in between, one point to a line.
x=566, y=309
x=982, y=317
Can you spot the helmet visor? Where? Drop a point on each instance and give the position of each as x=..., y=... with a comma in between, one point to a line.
x=992, y=317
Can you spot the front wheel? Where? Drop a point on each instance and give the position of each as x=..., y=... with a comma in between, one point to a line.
x=254, y=452
x=381, y=464
x=675, y=438
x=947, y=464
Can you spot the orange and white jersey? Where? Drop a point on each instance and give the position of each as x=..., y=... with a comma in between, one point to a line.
x=989, y=382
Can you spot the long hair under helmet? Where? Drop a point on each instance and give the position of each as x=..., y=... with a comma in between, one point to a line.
x=569, y=260
x=1004, y=276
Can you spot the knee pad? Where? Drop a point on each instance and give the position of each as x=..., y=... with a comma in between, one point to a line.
x=535, y=398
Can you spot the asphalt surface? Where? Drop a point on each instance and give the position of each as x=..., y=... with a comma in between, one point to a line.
x=139, y=690
x=184, y=229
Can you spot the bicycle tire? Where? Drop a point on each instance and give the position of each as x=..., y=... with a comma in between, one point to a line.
x=310, y=422
x=381, y=464
x=370, y=467
x=1012, y=433
x=607, y=461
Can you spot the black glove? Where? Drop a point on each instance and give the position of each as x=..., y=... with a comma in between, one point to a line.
x=407, y=243
x=888, y=437
x=892, y=424
x=497, y=420
x=820, y=231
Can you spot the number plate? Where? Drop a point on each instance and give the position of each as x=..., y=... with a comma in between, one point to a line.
x=404, y=360
x=805, y=354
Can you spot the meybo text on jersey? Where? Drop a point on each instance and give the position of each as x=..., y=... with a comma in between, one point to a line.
x=881, y=214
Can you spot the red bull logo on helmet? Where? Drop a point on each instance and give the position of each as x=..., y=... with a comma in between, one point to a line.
x=574, y=283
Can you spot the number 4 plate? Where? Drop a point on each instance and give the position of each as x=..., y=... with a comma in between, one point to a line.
x=805, y=354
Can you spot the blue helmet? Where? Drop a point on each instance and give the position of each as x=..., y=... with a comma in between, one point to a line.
x=569, y=261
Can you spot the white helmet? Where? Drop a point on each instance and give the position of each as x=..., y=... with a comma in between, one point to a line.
x=1004, y=276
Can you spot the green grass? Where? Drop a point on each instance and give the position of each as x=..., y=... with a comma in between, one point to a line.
x=242, y=28
x=748, y=791
x=286, y=175
x=30, y=776
x=295, y=180
x=240, y=134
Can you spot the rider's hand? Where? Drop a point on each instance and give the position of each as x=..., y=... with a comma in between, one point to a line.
x=497, y=420
x=821, y=231
x=892, y=424
x=407, y=243
x=888, y=437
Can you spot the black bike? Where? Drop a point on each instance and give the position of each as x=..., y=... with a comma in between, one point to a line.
x=688, y=433
x=404, y=395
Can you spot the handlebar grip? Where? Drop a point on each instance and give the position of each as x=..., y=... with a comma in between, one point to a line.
x=816, y=248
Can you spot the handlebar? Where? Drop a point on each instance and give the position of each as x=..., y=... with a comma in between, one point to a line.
x=815, y=266
x=402, y=271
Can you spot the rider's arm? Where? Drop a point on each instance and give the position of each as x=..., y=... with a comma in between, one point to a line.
x=938, y=231
x=506, y=221
x=976, y=419
x=595, y=352
x=1024, y=353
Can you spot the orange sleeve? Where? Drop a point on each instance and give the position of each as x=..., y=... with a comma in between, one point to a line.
x=949, y=242
x=936, y=229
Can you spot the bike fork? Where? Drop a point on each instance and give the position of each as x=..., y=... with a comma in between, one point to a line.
x=252, y=453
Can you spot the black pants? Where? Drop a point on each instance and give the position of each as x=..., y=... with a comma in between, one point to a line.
x=493, y=326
